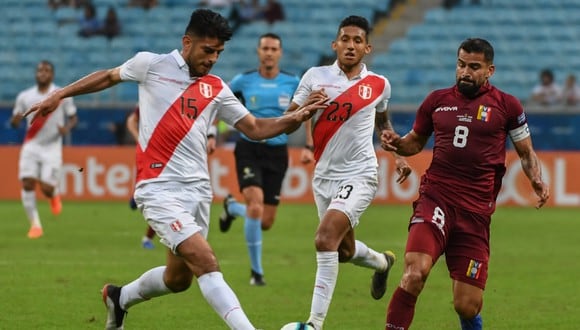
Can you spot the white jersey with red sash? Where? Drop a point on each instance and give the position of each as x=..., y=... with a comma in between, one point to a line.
x=343, y=132
x=42, y=135
x=175, y=112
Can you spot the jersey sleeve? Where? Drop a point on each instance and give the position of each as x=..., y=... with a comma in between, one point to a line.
x=516, y=115
x=230, y=110
x=304, y=88
x=19, y=105
x=236, y=84
x=423, y=124
x=69, y=107
x=136, y=68
x=384, y=102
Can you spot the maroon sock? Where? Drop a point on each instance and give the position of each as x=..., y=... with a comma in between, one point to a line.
x=150, y=233
x=401, y=310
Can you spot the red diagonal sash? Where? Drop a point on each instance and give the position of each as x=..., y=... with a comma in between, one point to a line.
x=37, y=124
x=343, y=107
x=174, y=126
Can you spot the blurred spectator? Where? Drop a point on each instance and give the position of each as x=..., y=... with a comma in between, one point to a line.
x=273, y=11
x=145, y=4
x=571, y=91
x=90, y=24
x=111, y=26
x=244, y=12
x=55, y=4
x=215, y=3
x=548, y=92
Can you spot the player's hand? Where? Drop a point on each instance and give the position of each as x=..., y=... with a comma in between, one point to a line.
x=316, y=96
x=543, y=191
x=403, y=169
x=46, y=106
x=390, y=140
x=62, y=130
x=211, y=144
x=306, y=112
x=306, y=156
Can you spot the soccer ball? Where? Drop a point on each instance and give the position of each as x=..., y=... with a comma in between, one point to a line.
x=297, y=326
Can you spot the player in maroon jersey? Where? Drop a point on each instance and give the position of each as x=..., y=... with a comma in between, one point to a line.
x=471, y=122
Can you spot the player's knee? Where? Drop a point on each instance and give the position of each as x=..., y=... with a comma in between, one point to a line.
x=413, y=280
x=345, y=254
x=267, y=223
x=255, y=210
x=178, y=283
x=324, y=242
x=467, y=307
x=47, y=190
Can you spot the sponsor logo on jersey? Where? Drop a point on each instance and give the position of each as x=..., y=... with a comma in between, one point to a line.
x=474, y=269
x=205, y=89
x=365, y=91
x=176, y=226
x=446, y=108
x=484, y=113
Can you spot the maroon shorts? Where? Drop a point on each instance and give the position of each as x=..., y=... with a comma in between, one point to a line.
x=437, y=228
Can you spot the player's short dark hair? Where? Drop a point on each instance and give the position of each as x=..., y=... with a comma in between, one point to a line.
x=270, y=35
x=47, y=62
x=207, y=23
x=477, y=45
x=547, y=73
x=357, y=21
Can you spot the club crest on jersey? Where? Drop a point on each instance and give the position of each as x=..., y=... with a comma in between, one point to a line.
x=205, y=90
x=484, y=113
x=365, y=91
x=176, y=226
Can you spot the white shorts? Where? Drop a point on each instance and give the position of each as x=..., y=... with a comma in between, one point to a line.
x=351, y=196
x=43, y=166
x=175, y=210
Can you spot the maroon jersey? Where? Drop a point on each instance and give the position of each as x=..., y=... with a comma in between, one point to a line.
x=470, y=140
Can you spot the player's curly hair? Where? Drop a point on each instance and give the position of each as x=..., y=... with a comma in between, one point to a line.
x=207, y=23
x=477, y=45
x=357, y=21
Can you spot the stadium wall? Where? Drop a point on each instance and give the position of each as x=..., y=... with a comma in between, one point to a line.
x=107, y=174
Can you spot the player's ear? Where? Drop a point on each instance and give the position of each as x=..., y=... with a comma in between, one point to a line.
x=368, y=49
x=333, y=45
x=490, y=71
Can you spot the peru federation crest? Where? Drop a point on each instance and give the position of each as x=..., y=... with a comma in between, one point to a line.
x=365, y=91
x=205, y=90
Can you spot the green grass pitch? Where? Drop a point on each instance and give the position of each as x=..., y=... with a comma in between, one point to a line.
x=54, y=282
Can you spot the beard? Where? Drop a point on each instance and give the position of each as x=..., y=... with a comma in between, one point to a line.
x=468, y=89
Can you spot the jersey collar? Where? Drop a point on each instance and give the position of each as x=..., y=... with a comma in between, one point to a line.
x=177, y=56
x=338, y=70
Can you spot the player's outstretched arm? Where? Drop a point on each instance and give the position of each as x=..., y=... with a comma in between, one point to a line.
x=382, y=122
x=263, y=128
x=532, y=169
x=91, y=83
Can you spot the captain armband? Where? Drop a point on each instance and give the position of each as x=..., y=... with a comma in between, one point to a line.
x=520, y=133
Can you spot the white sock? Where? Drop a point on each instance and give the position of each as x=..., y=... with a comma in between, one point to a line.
x=29, y=203
x=147, y=286
x=367, y=257
x=224, y=301
x=326, y=275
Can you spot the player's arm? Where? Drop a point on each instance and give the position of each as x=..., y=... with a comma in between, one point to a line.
x=132, y=125
x=382, y=122
x=71, y=122
x=532, y=169
x=15, y=120
x=91, y=83
x=17, y=112
x=263, y=128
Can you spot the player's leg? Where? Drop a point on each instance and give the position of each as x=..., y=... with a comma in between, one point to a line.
x=147, y=240
x=273, y=173
x=467, y=257
x=425, y=243
x=50, y=168
x=254, y=197
x=28, y=172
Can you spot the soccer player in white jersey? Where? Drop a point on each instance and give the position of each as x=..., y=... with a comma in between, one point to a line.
x=41, y=154
x=345, y=178
x=178, y=101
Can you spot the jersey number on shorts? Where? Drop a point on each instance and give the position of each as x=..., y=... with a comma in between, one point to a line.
x=460, y=138
x=334, y=115
x=438, y=218
x=344, y=191
x=188, y=107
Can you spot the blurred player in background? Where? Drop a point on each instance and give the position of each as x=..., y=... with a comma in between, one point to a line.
x=178, y=101
x=261, y=165
x=471, y=123
x=345, y=178
x=41, y=154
